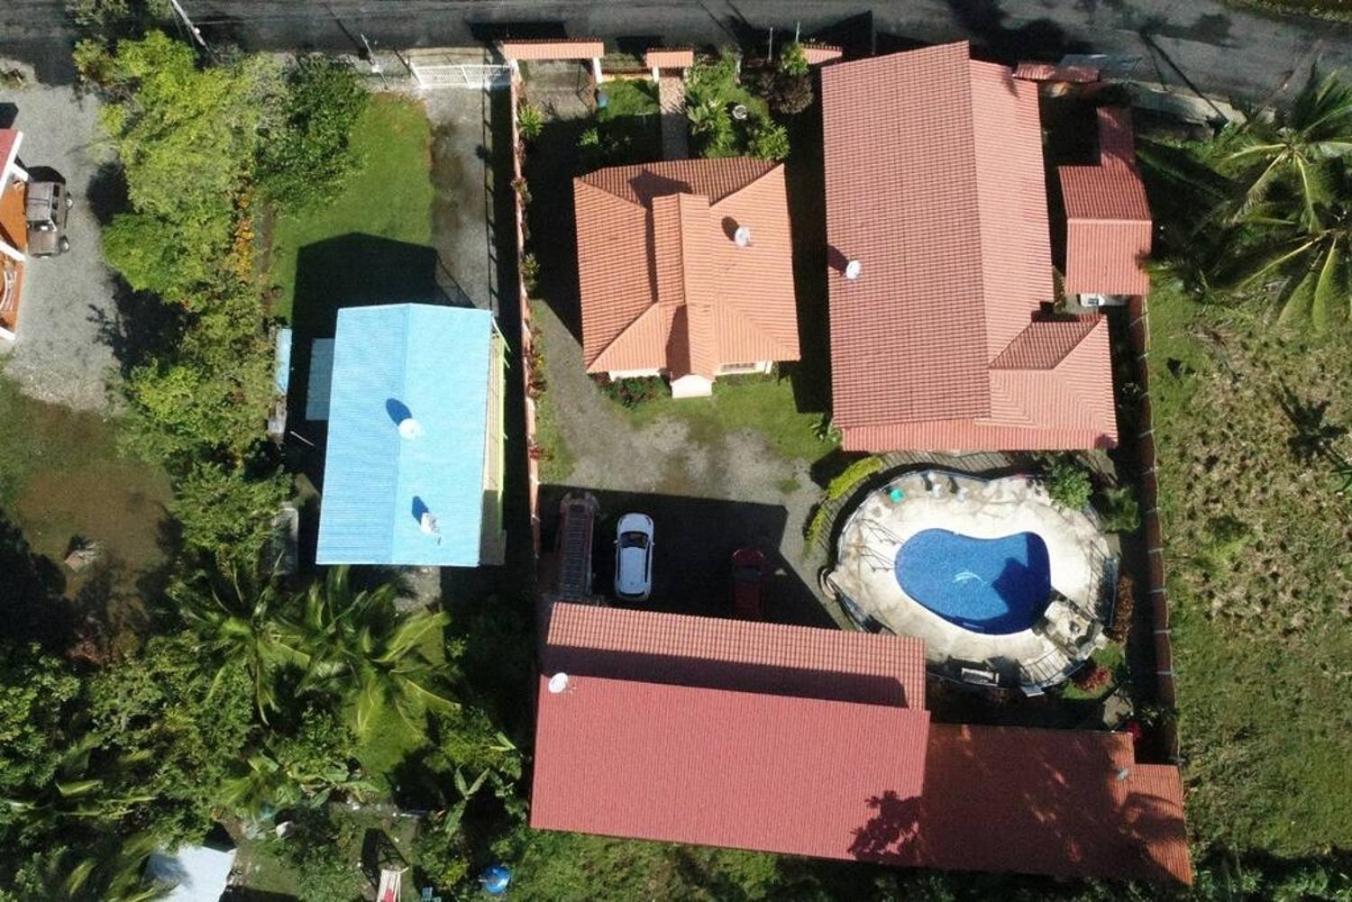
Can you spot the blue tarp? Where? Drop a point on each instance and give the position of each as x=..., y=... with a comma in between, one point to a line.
x=392, y=363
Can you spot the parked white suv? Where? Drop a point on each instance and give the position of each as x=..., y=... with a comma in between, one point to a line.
x=634, y=557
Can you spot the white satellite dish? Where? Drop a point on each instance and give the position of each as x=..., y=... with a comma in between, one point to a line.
x=853, y=269
x=428, y=524
x=558, y=683
x=742, y=236
x=410, y=428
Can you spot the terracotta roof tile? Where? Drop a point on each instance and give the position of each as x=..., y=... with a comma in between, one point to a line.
x=714, y=767
x=659, y=235
x=1051, y=72
x=1069, y=803
x=1044, y=344
x=788, y=739
x=1108, y=225
x=821, y=53
x=735, y=654
x=948, y=219
x=552, y=48
x=669, y=58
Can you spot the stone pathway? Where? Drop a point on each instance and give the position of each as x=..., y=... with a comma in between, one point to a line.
x=671, y=100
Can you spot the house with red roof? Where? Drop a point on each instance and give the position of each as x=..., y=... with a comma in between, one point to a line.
x=817, y=742
x=1108, y=224
x=685, y=269
x=13, y=230
x=943, y=334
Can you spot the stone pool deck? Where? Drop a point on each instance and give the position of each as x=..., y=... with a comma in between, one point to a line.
x=1078, y=554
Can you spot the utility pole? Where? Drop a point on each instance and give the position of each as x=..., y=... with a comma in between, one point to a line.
x=187, y=23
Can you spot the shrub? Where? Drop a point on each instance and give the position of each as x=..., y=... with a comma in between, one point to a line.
x=1119, y=509
x=306, y=158
x=530, y=273
x=530, y=121
x=226, y=514
x=792, y=60
x=852, y=477
x=770, y=142
x=1122, y=610
x=1067, y=482
x=1092, y=676
x=634, y=390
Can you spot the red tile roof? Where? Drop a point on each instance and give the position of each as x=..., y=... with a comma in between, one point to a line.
x=1052, y=72
x=10, y=139
x=1108, y=226
x=821, y=53
x=552, y=49
x=669, y=58
x=664, y=285
x=948, y=219
x=1069, y=803
x=784, y=739
x=708, y=766
x=736, y=654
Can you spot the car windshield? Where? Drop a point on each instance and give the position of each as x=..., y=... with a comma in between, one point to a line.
x=633, y=540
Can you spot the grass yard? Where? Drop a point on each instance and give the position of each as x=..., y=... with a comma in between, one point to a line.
x=389, y=195
x=764, y=404
x=1261, y=591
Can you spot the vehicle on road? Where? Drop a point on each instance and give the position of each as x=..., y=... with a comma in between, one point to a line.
x=46, y=209
x=749, y=571
x=634, y=557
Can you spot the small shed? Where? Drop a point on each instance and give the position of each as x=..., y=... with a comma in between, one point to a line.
x=414, y=463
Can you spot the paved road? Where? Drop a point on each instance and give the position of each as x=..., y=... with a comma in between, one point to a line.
x=1202, y=42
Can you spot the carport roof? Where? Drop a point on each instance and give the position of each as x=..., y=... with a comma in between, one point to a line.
x=774, y=773
x=430, y=364
x=741, y=655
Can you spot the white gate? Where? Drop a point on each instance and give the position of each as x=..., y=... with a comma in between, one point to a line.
x=432, y=69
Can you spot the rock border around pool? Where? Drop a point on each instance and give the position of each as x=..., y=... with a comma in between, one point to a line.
x=1082, y=569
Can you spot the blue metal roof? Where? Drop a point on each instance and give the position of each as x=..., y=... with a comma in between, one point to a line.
x=390, y=363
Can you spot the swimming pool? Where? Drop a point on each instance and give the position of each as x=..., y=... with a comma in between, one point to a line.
x=994, y=586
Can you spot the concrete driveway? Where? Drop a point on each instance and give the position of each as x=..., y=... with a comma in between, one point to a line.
x=63, y=354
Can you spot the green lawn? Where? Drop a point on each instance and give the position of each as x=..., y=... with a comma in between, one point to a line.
x=389, y=196
x=1257, y=551
x=764, y=404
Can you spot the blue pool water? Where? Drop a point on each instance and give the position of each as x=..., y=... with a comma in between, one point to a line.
x=991, y=586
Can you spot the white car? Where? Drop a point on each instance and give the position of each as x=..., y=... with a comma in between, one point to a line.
x=634, y=557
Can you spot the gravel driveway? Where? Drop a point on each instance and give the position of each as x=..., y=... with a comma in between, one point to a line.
x=61, y=355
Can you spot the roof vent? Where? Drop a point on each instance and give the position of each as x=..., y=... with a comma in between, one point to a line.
x=742, y=236
x=853, y=269
x=410, y=428
x=558, y=683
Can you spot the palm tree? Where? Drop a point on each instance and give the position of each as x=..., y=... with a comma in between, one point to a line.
x=1306, y=251
x=235, y=624
x=363, y=650
x=1291, y=146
